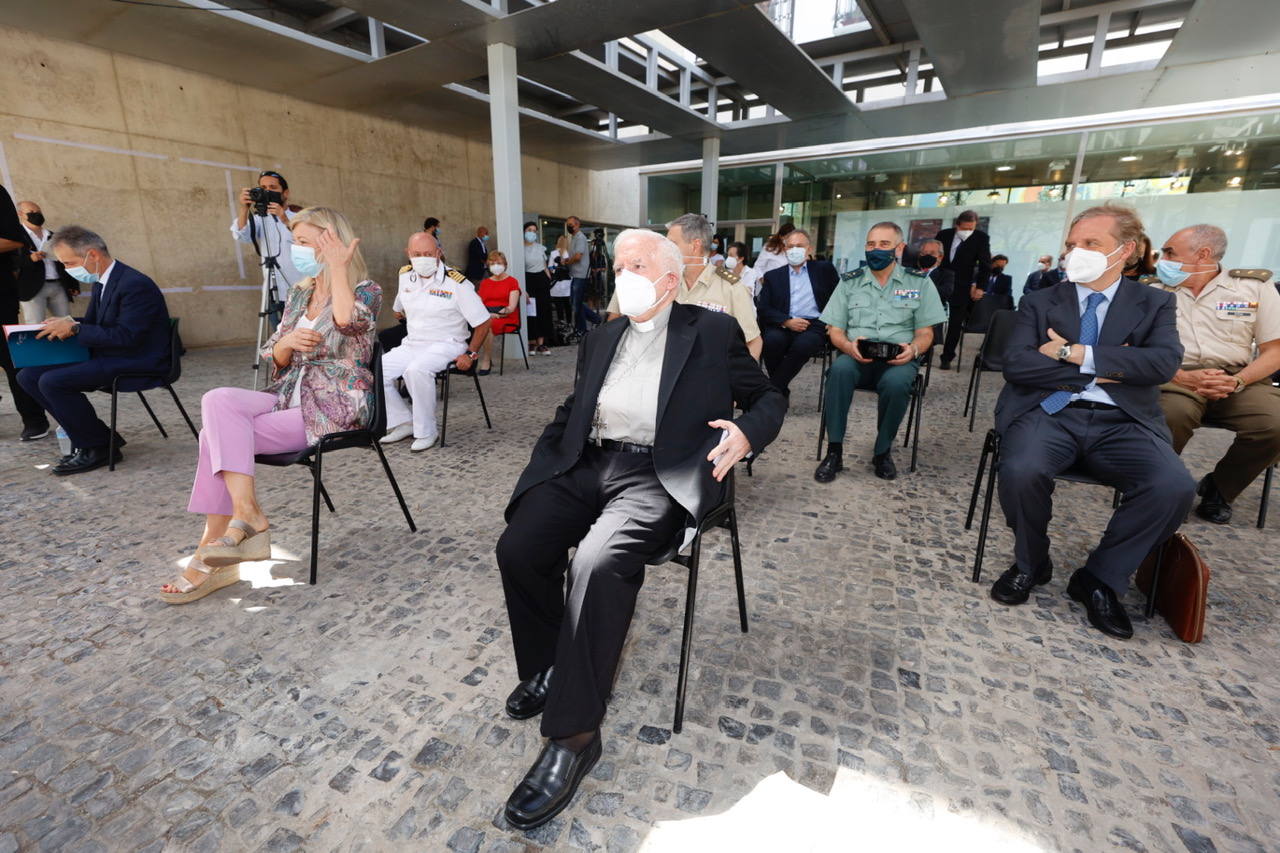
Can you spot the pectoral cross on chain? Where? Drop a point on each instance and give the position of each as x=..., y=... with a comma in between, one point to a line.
x=598, y=424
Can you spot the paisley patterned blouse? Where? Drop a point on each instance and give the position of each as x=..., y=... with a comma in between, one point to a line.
x=337, y=386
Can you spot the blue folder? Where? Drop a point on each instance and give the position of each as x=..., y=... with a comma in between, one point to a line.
x=29, y=351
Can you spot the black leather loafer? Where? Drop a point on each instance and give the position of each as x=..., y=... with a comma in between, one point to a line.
x=85, y=459
x=1015, y=585
x=530, y=696
x=1213, y=507
x=1106, y=613
x=829, y=467
x=885, y=469
x=550, y=784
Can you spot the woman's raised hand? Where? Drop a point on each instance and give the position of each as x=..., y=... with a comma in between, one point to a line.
x=332, y=252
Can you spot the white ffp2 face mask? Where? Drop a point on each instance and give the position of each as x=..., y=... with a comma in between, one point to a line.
x=731, y=263
x=497, y=269
x=1086, y=265
x=636, y=294
x=425, y=266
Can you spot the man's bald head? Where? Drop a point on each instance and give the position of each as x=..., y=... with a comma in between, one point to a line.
x=25, y=207
x=422, y=245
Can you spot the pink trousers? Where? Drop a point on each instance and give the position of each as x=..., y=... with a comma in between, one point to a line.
x=237, y=423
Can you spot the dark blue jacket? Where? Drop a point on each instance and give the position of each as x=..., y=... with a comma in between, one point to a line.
x=1138, y=348
x=131, y=324
x=773, y=302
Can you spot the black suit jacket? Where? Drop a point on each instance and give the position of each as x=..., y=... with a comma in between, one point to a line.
x=31, y=273
x=1137, y=347
x=944, y=280
x=476, y=256
x=1003, y=285
x=705, y=369
x=1041, y=279
x=131, y=323
x=773, y=302
x=972, y=262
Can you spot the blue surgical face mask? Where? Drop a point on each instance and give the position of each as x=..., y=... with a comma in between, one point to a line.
x=83, y=275
x=878, y=259
x=484, y=238
x=530, y=236
x=1171, y=272
x=304, y=260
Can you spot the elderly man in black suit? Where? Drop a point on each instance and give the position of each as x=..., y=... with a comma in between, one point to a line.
x=636, y=454
x=1083, y=373
x=790, y=300
x=1044, y=275
x=966, y=251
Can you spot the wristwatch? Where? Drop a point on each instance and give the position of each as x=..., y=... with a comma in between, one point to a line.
x=1064, y=352
x=1240, y=384
x=471, y=354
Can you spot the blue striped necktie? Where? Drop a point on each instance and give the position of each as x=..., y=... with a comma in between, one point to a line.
x=1057, y=401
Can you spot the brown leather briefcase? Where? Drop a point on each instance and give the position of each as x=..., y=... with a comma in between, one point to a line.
x=1184, y=586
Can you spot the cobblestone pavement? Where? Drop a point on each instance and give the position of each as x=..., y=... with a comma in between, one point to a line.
x=880, y=701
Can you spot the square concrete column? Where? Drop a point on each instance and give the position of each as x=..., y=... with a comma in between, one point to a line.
x=710, y=177
x=504, y=124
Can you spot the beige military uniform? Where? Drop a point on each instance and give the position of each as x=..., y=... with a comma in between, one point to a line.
x=1219, y=328
x=716, y=289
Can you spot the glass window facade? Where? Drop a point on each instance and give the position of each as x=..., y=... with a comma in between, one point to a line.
x=1221, y=170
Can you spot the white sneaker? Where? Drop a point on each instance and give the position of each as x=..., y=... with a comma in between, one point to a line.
x=420, y=444
x=398, y=433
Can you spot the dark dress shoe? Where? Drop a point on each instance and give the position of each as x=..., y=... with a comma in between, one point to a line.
x=85, y=459
x=1015, y=585
x=34, y=433
x=945, y=364
x=1213, y=507
x=829, y=467
x=1106, y=613
x=530, y=696
x=885, y=469
x=550, y=784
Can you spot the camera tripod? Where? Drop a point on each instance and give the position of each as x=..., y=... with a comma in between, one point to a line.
x=266, y=302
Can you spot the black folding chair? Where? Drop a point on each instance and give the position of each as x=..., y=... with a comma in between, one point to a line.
x=500, y=341
x=915, y=412
x=313, y=456
x=990, y=357
x=725, y=516
x=1266, y=481
x=442, y=381
x=824, y=355
x=143, y=380
x=989, y=465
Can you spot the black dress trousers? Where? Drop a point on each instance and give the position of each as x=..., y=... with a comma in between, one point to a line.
x=611, y=506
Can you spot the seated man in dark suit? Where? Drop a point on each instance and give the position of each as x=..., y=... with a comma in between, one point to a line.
x=999, y=284
x=125, y=328
x=636, y=454
x=1044, y=275
x=1083, y=372
x=790, y=300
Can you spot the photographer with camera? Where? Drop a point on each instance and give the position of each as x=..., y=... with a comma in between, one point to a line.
x=262, y=220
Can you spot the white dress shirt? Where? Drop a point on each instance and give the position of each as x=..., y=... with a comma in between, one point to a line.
x=274, y=238
x=40, y=240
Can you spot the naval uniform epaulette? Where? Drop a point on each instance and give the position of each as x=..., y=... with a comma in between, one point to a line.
x=1259, y=274
x=404, y=269
x=728, y=276
x=457, y=276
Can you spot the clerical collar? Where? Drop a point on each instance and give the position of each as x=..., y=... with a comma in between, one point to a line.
x=657, y=321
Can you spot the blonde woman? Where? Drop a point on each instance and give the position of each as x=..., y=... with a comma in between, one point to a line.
x=321, y=382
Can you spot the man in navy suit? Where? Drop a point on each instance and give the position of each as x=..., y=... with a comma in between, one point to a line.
x=1083, y=372
x=790, y=300
x=966, y=251
x=126, y=328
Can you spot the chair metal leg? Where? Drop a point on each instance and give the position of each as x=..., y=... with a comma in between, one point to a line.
x=915, y=444
x=911, y=418
x=483, y=407
x=822, y=423
x=174, y=394
x=315, y=512
x=968, y=393
x=324, y=493
x=1155, y=580
x=690, y=599
x=444, y=399
x=986, y=514
x=524, y=352
x=152, y=413
x=395, y=487
x=111, y=441
x=1266, y=496
x=1116, y=498
x=732, y=524
x=977, y=482
x=502, y=356
x=977, y=388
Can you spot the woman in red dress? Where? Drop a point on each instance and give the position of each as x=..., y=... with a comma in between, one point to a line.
x=500, y=293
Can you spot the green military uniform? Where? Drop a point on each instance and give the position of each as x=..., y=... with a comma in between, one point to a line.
x=892, y=313
x=1219, y=328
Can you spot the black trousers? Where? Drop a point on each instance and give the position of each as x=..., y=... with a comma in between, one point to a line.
x=28, y=407
x=786, y=352
x=612, y=507
x=1115, y=449
x=393, y=336
x=538, y=287
x=957, y=319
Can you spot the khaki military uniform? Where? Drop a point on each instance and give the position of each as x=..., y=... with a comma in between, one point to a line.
x=1236, y=310
x=716, y=289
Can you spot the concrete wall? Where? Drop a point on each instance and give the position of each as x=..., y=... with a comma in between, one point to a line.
x=169, y=216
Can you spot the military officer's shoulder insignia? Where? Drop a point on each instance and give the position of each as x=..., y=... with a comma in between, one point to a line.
x=852, y=275
x=404, y=269
x=1259, y=274
x=1152, y=281
x=457, y=276
x=728, y=276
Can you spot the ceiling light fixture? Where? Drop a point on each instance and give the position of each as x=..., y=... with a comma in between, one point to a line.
x=1129, y=158
x=955, y=174
x=902, y=202
x=1058, y=165
x=880, y=178
x=1235, y=181
x=1005, y=168
x=993, y=195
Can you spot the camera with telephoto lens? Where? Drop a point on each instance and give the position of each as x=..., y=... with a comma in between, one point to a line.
x=261, y=197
